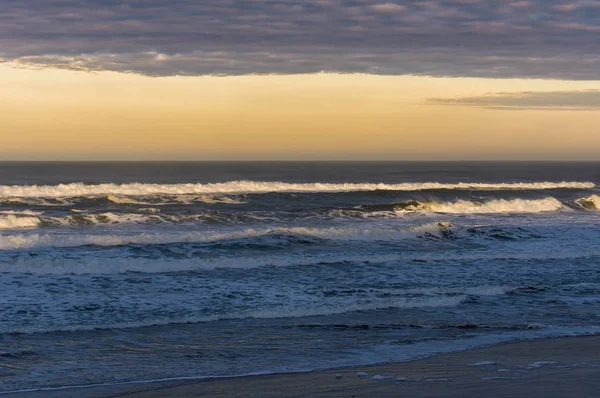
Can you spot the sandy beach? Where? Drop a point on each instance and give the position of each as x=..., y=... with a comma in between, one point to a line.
x=561, y=367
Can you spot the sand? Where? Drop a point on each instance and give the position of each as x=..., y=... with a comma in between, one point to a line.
x=561, y=367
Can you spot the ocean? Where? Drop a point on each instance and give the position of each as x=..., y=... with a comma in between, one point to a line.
x=120, y=272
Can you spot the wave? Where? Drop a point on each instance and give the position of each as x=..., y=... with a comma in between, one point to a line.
x=160, y=200
x=65, y=240
x=95, y=265
x=282, y=311
x=590, y=203
x=11, y=221
x=15, y=219
x=84, y=220
x=153, y=216
x=21, y=212
x=498, y=206
x=136, y=200
x=140, y=189
x=265, y=237
x=58, y=263
x=472, y=207
x=331, y=304
x=459, y=326
x=125, y=200
x=29, y=220
x=146, y=216
x=483, y=290
x=37, y=201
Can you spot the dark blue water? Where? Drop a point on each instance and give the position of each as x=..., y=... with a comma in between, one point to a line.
x=114, y=272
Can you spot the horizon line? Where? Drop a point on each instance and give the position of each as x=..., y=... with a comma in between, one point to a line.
x=296, y=160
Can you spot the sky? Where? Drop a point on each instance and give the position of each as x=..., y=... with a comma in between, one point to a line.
x=299, y=80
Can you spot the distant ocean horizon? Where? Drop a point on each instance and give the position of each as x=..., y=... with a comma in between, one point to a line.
x=119, y=271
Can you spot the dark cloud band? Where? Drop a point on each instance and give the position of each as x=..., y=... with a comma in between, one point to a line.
x=541, y=38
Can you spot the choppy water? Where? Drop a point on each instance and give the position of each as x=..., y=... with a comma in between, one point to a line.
x=133, y=271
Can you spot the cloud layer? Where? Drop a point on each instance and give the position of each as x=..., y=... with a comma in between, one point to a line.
x=535, y=38
x=555, y=100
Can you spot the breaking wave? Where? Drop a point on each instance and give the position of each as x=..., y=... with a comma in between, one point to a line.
x=171, y=199
x=12, y=221
x=146, y=216
x=139, y=189
x=27, y=219
x=58, y=240
x=590, y=203
x=471, y=207
x=21, y=212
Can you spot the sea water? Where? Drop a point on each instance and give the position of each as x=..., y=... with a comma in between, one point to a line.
x=119, y=272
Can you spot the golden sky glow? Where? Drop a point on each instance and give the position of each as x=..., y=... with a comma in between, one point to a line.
x=67, y=115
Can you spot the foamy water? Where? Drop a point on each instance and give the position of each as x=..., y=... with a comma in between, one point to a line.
x=28, y=219
x=218, y=270
x=140, y=189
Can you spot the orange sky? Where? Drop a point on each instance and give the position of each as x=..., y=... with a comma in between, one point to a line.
x=66, y=115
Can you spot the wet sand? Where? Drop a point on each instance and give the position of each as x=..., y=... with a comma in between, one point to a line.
x=561, y=367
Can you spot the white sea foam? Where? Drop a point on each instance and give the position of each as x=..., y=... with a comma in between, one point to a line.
x=170, y=199
x=591, y=202
x=139, y=189
x=125, y=200
x=103, y=219
x=494, y=206
x=483, y=363
x=539, y=364
x=149, y=210
x=82, y=219
x=11, y=221
x=21, y=212
x=57, y=240
x=37, y=201
x=35, y=220
x=187, y=198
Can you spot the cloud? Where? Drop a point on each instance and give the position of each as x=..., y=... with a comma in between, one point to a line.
x=389, y=7
x=533, y=39
x=577, y=4
x=588, y=100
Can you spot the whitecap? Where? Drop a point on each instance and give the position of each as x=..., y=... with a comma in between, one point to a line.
x=141, y=189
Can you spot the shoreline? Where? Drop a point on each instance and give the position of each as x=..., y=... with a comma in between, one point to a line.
x=549, y=367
